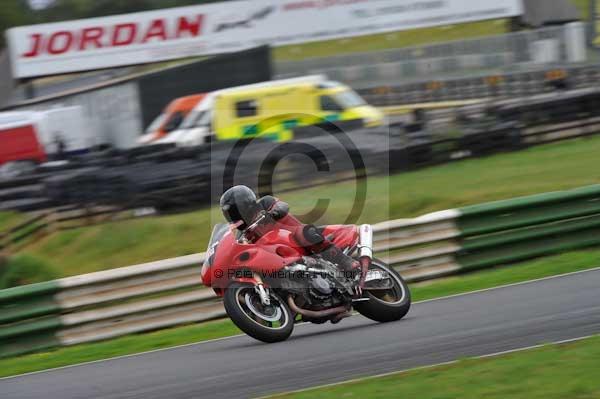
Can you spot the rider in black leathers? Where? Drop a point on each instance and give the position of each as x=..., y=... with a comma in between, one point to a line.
x=241, y=207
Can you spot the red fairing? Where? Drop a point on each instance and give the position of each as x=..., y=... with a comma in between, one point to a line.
x=277, y=248
x=342, y=236
x=269, y=254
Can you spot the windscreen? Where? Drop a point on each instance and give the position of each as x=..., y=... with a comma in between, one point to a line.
x=349, y=99
x=217, y=234
x=196, y=119
x=156, y=124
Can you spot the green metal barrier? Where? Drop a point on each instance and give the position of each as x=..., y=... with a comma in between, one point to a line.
x=522, y=228
x=529, y=211
x=29, y=318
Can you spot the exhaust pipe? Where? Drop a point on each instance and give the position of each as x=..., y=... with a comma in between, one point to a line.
x=365, y=253
x=316, y=314
x=365, y=241
x=338, y=317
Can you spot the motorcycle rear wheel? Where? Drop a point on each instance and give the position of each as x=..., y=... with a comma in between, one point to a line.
x=270, y=324
x=389, y=305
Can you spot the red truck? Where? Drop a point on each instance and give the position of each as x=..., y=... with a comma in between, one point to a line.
x=19, y=139
x=35, y=136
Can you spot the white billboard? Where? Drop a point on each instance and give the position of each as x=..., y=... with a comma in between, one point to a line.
x=223, y=27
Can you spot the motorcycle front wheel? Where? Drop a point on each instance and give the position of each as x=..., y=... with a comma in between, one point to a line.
x=388, y=304
x=272, y=323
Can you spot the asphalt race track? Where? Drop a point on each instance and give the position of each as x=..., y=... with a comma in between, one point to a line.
x=433, y=332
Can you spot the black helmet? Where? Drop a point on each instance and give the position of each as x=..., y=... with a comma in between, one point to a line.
x=239, y=204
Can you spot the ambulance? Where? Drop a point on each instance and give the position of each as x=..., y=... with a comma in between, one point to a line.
x=272, y=110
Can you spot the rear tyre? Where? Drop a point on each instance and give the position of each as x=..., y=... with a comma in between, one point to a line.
x=269, y=324
x=386, y=305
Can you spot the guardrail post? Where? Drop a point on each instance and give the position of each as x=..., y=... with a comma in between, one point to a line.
x=50, y=220
x=576, y=43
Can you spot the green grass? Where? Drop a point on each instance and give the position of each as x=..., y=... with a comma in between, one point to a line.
x=407, y=38
x=9, y=219
x=110, y=245
x=550, y=372
x=384, y=41
x=540, y=169
x=583, y=6
x=25, y=269
x=187, y=334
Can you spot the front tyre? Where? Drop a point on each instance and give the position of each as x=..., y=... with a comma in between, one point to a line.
x=386, y=305
x=273, y=323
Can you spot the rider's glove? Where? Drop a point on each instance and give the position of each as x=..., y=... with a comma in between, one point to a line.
x=279, y=210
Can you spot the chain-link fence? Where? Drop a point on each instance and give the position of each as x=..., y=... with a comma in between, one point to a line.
x=522, y=51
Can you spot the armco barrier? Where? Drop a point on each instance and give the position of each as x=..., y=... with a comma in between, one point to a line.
x=491, y=55
x=491, y=85
x=166, y=293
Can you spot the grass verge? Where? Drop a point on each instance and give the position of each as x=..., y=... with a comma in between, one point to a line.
x=391, y=40
x=543, y=267
x=557, y=371
x=9, y=219
x=583, y=6
x=407, y=38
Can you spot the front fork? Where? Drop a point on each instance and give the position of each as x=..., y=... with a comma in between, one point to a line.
x=365, y=252
x=259, y=286
x=265, y=298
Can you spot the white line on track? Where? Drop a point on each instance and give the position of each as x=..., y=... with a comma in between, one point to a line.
x=429, y=366
x=511, y=285
x=241, y=335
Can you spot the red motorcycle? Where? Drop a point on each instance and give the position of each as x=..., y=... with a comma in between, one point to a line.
x=270, y=284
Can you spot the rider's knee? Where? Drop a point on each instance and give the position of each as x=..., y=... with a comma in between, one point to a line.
x=310, y=236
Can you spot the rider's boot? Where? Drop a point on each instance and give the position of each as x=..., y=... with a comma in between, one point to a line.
x=313, y=240
x=334, y=255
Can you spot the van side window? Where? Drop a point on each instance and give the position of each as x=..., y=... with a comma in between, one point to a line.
x=246, y=108
x=329, y=104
